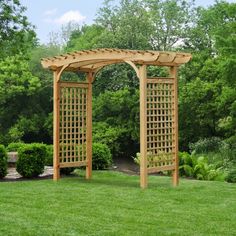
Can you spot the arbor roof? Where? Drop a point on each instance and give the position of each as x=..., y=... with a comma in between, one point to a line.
x=93, y=60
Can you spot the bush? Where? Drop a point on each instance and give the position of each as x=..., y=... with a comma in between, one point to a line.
x=31, y=160
x=206, y=145
x=49, y=157
x=13, y=147
x=3, y=162
x=199, y=168
x=231, y=177
x=101, y=156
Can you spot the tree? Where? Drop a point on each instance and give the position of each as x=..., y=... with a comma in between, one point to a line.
x=171, y=21
x=148, y=24
x=17, y=35
x=17, y=85
x=88, y=37
x=212, y=71
x=125, y=25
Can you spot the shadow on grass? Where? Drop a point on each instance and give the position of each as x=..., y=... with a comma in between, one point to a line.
x=121, y=180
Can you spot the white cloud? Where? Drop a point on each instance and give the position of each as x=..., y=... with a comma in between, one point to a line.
x=50, y=12
x=70, y=16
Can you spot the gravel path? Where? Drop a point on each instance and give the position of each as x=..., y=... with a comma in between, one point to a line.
x=121, y=164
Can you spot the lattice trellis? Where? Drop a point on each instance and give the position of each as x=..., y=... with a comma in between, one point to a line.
x=72, y=127
x=160, y=124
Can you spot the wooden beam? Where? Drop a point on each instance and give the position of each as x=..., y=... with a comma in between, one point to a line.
x=73, y=164
x=143, y=126
x=74, y=84
x=133, y=66
x=173, y=73
x=56, y=123
x=89, y=127
x=160, y=168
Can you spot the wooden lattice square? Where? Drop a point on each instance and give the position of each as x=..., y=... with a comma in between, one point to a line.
x=160, y=122
x=72, y=135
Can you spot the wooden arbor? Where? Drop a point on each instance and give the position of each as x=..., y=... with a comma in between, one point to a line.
x=158, y=108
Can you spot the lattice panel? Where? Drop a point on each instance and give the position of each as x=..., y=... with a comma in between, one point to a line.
x=72, y=135
x=160, y=122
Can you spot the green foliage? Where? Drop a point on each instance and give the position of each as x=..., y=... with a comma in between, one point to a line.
x=31, y=160
x=116, y=116
x=111, y=136
x=231, y=177
x=101, y=156
x=49, y=157
x=206, y=145
x=3, y=162
x=17, y=35
x=14, y=147
x=199, y=168
x=145, y=24
x=87, y=37
x=16, y=79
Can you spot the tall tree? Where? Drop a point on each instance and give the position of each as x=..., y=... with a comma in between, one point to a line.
x=207, y=83
x=17, y=35
x=17, y=84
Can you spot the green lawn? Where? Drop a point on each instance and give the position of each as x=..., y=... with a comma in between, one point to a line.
x=113, y=204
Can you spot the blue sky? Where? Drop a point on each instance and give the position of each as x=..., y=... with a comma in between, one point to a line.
x=49, y=15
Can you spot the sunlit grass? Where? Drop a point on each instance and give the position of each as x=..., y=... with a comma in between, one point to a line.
x=113, y=204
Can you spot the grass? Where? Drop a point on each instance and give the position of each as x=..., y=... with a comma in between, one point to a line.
x=113, y=204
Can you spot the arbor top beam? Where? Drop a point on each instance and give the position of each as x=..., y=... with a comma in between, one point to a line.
x=93, y=60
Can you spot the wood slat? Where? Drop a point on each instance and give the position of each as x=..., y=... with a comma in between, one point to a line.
x=160, y=168
x=73, y=164
x=73, y=84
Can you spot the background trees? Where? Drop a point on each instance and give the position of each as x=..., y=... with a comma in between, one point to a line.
x=207, y=96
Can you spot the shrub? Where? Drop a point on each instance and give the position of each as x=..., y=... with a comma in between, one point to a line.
x=199, y=168
x=101, y=156
x=13, y=147
x=186, y=164
x=31, y=160
x=206, y=145
x=49, y=156
x=231, y=177
x=3, y=162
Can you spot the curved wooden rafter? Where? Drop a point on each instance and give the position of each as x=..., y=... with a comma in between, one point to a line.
x=91, y=60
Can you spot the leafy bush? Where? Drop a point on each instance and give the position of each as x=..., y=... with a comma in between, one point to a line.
x=31, y=160
x=199, y=167
x=101, y=156
x=116, y=121
x=13, y=147
x=49, y=156
x=231, y=177
x=206, y=145
x=111, y=136
x=3, y=162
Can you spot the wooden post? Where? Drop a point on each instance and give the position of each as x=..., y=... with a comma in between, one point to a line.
x=173, y=73
x=89, y=128
x=143, y=126
x=56, y=124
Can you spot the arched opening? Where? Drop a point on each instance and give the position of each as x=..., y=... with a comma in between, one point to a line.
x=158, y=108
